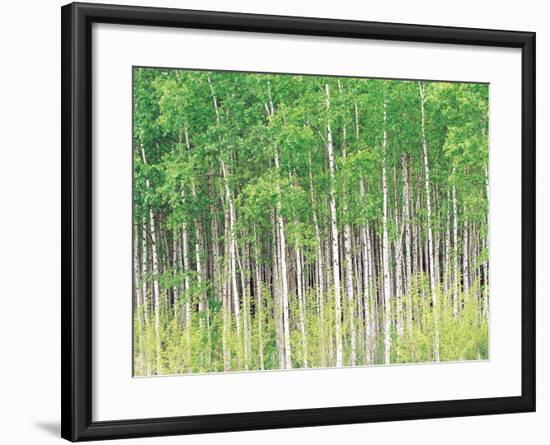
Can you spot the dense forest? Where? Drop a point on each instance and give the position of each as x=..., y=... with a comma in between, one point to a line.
x=285, y=221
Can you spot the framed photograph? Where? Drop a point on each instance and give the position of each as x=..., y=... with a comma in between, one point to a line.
x=273, y=222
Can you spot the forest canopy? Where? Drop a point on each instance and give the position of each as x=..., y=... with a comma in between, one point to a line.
x=294, y=221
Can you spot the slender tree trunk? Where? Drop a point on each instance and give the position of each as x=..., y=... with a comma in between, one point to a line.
x=408, y=256
x=259, y=302
x=465, y=266
x=279, y=329
x=386, y=250
x=156, y=287
x=215, y=259
x=155, y=271
x=233, y=261
x=175, y=289
x=203, y=308
x=398, y=248
x=301, y=305
x=144, y=261
x=350, y=292
x=447, y=271
x=456, y=303
x=232, y=241
x=282, y=254
x=138, y=308
x=226, y=297
x=320, y=269
x=349, y=286
x=187, y=287
x=283, y=276
x=416, y=249
x=243, y=268
x=348, y=262
x=365, y=247
x=335, y=244
x=436, y=236
x=430, y=231
x=232, y=237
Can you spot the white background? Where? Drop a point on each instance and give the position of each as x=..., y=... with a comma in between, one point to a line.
x=118, y=396
x=29, y=232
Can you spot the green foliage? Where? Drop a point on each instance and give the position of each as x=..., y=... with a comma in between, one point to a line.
x=462, y=337
x=226, y=164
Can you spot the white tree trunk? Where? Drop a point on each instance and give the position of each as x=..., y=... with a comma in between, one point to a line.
x=348, y=261
x=232, y=249
x=456, y=283
x=283, y=271
x=138, y=309
x=320, y=267
x=187, y=287
x=398, y=249
x=386, y=251
x=366, y=254
x=447, y=271
x=335, y=247
x=144, y=261
x=283, y=275
x=203, y=309
x=259, y=303
x=156, y=287
x=233, y=257
x=349, y=291
x=226, y=304
x=399, y=286
x=408, y=255
x=277, y=292
x=429, y=217
x=246, y=306
x=465, y=266
x=198, y=262
x=301, y=304
x=284, y=281
x=349, y=283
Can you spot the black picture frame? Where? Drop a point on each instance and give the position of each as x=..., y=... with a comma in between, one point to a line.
x=76, y=246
